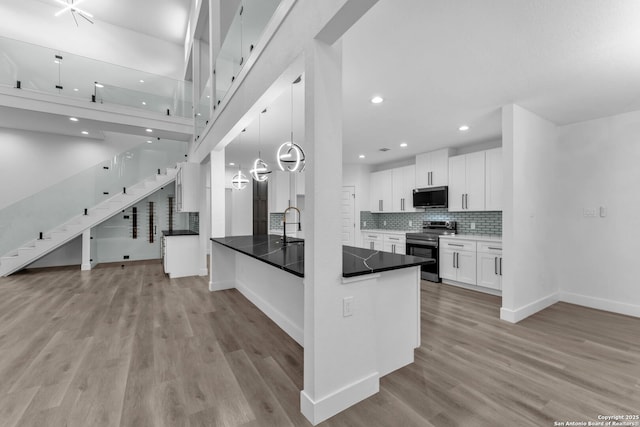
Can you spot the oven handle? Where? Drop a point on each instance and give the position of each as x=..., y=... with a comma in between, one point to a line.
x=422, y=243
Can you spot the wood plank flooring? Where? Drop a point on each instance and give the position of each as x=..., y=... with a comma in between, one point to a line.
x=130, y=347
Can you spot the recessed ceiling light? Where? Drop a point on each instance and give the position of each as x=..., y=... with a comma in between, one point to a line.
x=231, y=164
x=463, y=128
x=149, y=130
x=361, y=156
x=141, y=81
x=144, y=103
x=84, y=132
x=73, y=119
x=208, y=96
x=403, y=145
x=56, y=61
x=376, y=100
x=75, y=89
x=149, y=141
x=99, y=84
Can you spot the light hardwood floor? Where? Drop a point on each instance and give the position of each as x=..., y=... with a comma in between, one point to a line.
x=129, y=347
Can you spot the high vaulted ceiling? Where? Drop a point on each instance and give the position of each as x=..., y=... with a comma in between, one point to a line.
x=440, y=64
x=162, y=19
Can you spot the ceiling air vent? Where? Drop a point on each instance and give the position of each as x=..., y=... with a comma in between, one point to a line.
x=384, y=149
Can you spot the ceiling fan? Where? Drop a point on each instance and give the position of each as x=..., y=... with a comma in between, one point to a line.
x=72, y=7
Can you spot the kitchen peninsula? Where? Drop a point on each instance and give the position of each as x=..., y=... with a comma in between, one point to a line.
x=271, y=275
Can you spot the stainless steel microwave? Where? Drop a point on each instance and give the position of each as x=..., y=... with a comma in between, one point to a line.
x=432, y=197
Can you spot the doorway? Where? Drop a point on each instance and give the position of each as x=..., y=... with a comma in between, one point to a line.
x=260, y=207
x=348, y=215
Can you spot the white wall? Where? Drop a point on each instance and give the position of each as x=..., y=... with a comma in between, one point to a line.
x=596, y=258
x=33, y=22
x=358, y=176
x=33, y=161
x=240, y=214
x=529, y=215
x=68, y=254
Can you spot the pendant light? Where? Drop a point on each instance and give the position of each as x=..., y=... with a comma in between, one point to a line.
x=239, y=180
x=260, y=171
x=290, y=155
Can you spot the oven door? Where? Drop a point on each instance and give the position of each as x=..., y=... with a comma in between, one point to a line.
x=425, y=249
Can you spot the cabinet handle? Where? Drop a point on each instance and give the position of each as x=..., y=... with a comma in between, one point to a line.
x=501, y=266
x=431, y=178
x=393, y=249
x=455, y=244
x=495, y=249
x=495, y=265
x=401, y=204
x=370, y=245
x=462, y=201
x=379, y=205
x=454, y=260
x=457, y=259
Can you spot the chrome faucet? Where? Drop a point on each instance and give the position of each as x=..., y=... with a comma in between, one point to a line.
x=284, y=223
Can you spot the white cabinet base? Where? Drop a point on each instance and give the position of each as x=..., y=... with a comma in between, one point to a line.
x=181, y=256
x=472, y=287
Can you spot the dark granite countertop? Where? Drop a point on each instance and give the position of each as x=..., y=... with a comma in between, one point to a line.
x=179, y=233
x=290, y=258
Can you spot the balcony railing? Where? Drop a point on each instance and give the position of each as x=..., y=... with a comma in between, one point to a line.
x=36, y=68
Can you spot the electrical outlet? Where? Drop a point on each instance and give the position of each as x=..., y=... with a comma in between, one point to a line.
x=281, y=222
x=385, y=223
x=364, y=223
x=603, y=211
x=410, y=223
x=472, y=226
x=589, y=212
x=347, y=306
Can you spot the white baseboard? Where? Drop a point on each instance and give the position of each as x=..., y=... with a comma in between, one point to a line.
x=601, y=304
x=294, y=331
x=85, y=266
x=221, y=285
x=328, y=406
x=514, y=316
x=204, y=271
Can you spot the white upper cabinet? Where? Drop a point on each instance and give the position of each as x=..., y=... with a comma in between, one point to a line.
x=403, y=184
x=187, y=185
x=493, y=173
x=392, y=190
x=467, y=182
x=432, y=169
x=279, y=191
x=381, y=194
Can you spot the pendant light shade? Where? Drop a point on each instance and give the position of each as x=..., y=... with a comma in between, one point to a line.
x=239, y=181
x=290, y=155
x=260, y=171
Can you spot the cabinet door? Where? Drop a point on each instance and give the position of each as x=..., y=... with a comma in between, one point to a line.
x=439, y=168
x=488, y=270
x=466, y=267
x=381, y=199
x=403, y=184
x=446, y=265
x=457, y=182
x=279, y=191
x=423, y=170
x=474, y=199
x=375, y=245
x=396, y=243
x=493, y=174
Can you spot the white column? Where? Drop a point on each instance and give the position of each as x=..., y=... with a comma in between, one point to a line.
x=203, y=217
x=217, y=207
x=86, y=250
x=339, y=352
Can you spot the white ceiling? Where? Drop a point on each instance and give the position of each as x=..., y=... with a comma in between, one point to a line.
x=440, y=64
x=163, y=19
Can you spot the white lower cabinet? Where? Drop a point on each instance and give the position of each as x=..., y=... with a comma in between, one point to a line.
x=180, y=255
x=490, y=265
x=394, y=242
x=458, y=260
x=372, y=241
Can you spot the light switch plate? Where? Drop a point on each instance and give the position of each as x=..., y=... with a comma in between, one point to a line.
x=347, y=306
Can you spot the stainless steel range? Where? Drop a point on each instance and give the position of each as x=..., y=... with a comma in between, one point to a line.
x=425, y=244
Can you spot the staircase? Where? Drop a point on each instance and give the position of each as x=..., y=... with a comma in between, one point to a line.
x=57, y=237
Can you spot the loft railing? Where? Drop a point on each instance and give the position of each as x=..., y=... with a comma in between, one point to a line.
x=246, y=30
x=22, y=221
x=39, y=69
